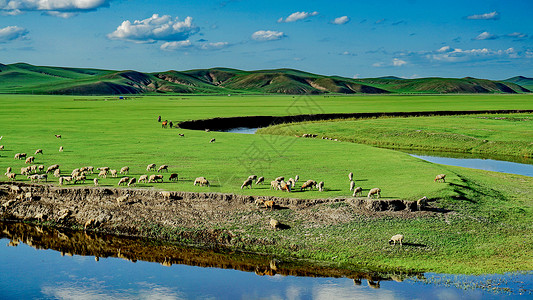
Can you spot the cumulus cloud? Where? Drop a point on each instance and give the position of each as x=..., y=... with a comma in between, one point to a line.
x=60, y=8
x=488, y=16
x=485, y=36
x=299, y=15
x=155, y=28
x=176, y=45
x=188, y=45
x=267, y=35
x=11, y=33
x=341, y=20
x=398, y=62
x=213, y=46
x=449, y=54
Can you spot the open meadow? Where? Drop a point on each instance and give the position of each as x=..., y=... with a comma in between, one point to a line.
x=105, y=131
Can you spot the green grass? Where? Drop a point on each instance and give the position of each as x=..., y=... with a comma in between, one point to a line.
x=125, y=133
x=504, y=135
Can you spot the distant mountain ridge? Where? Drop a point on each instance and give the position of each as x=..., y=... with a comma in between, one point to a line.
x=29, y=79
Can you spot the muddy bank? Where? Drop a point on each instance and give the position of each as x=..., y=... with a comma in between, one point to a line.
x=185, y=217
x=264, y=121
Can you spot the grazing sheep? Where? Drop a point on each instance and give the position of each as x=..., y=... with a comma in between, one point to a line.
x=270, y=204
x=280, y=178
x=60, y=148
x=155, y=178
x=74, y=172
x=8, y=170
x=25, y=171
x=296, y=178
x=83, y=169
x=63, y=179
x=247, y=183
x=38, y=151
x=32, y=178
x=207, y=130
x=274, y=224
x=143, y=178
x=150, y=167
x=57, y=173
x=181, y=134
x=292, y=182
x=352, y=185
x=81, y=178
x=173, y=177
x=33, y=168
x=123, y=180
x=113, y=173
x=40, y=168
x=11, y=176
x=58, y=136
x=122, y=199
x=357, y=191
x=165, y=194
x=374, y=192
x=17, y=156
x=321, y=186
x=350, y=176
x=422, y=203
x=40, y=177
x=162, y=167
x=285, y=186
x=103, y=173
x=1, y=147
x=396, y=238
x=201, y=181
x=95, y=181
x=252, y=177
x=259, y=202
x=260, y=180
x=274, y=184
x=308, y=184
x=124, y=170
x=90, y=169
x=212, y=140
x=20, y=156
x=439, y=178
x=52, y=168
x=132, y=181
x=103, y=169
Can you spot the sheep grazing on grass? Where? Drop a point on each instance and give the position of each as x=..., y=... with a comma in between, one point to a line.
x=274, y=185
x=252, y=177
x=321, y=186
x=58, y=136
x=1, y=147
x=296, y=178
x=422, y=203
x=155, y=178
x=440, y=178
x=212, y=140
x=260, y=180
x=124, y=170
x=143, y=178
x=60, y=148
x=132, y=181
x=123, y=199
x=173, y=177
x=74, y=172
x=259, y=202
x=52, y=168
x=64, y=179
x=11, y=176
x=40, y=168
x=80, y=178
x=57, y=173
x=38, y=151
x=274, y=224
x=103, y=174
x=247, y=183
x=308, y=184
x=201, y=181
x=20, y=156
x=103, y=169
x=350, y=176
x=285, y=186
x=25, y=171
x=162, y=167
x=113, y=173
x=292, y=182
x=358, y=191
x=123, y=180
x=90, y=169
x=32, y=178
x=396, y=238
x=181, y=134
x=150, y=167
x=42, y=177
x=352, y=185
x=280, y=178
x=374, y=192
x=95, y=181
x=270, y=204
x=8, y=170
x=33, y=168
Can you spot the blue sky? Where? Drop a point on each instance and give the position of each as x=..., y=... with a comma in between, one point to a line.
x=407, y=38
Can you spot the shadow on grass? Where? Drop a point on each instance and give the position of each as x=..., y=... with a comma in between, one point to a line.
x=414, y=244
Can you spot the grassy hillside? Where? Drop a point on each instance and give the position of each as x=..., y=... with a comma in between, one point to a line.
x=27, y=79
x=522, y=81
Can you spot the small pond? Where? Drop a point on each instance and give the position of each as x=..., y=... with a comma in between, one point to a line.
x=44, y=263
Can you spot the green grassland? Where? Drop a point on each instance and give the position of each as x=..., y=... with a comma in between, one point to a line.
x=488, y=230
x=504, y=135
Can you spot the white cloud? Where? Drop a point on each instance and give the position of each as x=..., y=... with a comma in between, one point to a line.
x=518, y=35
x=485, y=36
x=444, y=49
x=378, y=64
x=488, y=16
x=398, y=62
x=267, y=35
x=60, y=8
x=341, y=20
x=170, y=46
x=11, y=33
x=213, y=46
x=460, y=55
x=299, y=15
x=155, y=28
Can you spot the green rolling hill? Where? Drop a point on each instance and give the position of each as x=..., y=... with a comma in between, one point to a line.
x=23, y=78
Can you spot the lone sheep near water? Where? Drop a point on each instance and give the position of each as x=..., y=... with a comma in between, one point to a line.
x=374, y=192
x=201, y=181
x=396, y=238
x=440, y=178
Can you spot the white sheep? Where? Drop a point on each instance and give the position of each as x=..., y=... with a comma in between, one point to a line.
x=95, y=181
x=90, y=169
x=40, y=168
x=358, y=191
x=321, y=186
x=296, y=178
x=11, y=176
x=8, y=170
x=201, y=181
x=122, y=199
x=60, y=148
x=40, y=177
x=165, y=194
x=352, y=185
x=374, y=192
x=292, y=182
x=439, y=178
x=52, y=168
x=396, y=238
x=103, y=169
x=143, y=178
x=260, y=180
x=212, y=140
x=350, y=176
x=274, y=224
x=150, y=167
x=81, y=178
x=1, y=147
x=422, y=203
x=29, y=160
x=285, y=186
x=57, y=173
x=252, y=177
x=113, y=173
x=38, y=151
x=32, y=178
x=132, y=181
x=155, y=178
x=247, y=183
x=123, y=180
x=162, y=167
x=124, y=170
x=308, y=184
x=280, y=178
x=274, y=184
x=103, y=173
